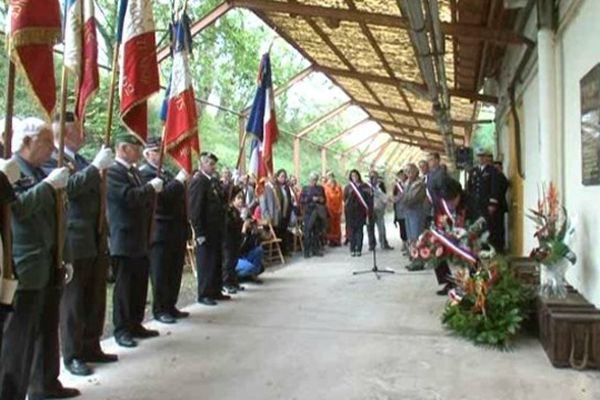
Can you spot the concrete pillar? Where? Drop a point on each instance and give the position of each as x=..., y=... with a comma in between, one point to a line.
x=549, y=132
x=297, y=158
x=323, y=161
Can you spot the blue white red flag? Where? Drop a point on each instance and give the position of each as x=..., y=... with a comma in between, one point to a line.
x=138, y=64
x=262, y=122
x=81, y=50
x=179, y=106
x=33, y=29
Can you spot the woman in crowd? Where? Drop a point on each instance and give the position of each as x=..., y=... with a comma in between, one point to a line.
x=358, y=205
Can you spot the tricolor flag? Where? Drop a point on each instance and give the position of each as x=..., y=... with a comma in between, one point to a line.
x=33, y=28
x=138, y=64
x=179, y=107
x=81, y=50
x=262, y=122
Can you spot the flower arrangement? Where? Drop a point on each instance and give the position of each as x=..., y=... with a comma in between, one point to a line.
x=553, y=229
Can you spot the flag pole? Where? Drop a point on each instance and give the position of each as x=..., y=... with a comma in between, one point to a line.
x=8, y=270
x=60, y=163
x=107, y=136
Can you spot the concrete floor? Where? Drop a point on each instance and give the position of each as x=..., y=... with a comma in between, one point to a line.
x=314, y=331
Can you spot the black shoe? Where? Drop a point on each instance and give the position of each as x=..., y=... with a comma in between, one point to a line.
x=359, y=254
x=78, y=367
x=59, y=393
x=388, y=247
x=240, y=288
x=371, y=248
x=125, y=340
x=230, y=289
x=179, y=314
x=101, y=357
x=353, y=254
x=143, y=333
x=319, y=254
x=444, y=291
x=165, y=318
x=222, y=296
x=207, y=301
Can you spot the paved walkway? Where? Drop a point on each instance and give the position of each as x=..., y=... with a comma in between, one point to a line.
x=313, y=331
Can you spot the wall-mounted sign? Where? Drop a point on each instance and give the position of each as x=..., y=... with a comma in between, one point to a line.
x=590, y=127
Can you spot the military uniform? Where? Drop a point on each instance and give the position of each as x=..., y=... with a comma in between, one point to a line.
x=34, y=323
x=207, y=214
x=167, y=241
x=7, y=196
x=315, y=218
x=484, y=188
x=129, y=206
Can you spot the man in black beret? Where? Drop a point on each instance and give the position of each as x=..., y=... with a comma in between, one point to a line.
x=207, y=214
x=168, y=237
x=130, y=202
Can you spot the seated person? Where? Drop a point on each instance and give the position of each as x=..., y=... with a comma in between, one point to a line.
x=250, y=254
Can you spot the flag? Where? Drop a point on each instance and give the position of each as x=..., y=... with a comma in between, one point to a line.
x=179, y=106
x=34, y=27
x=81, y=50
x=262, y=123
x=138, y=64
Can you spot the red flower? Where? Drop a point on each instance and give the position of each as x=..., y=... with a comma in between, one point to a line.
x=425, y=253
x=414, y=252
x=439, y=251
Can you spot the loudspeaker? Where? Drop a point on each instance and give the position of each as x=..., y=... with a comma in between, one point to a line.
x=464, y=157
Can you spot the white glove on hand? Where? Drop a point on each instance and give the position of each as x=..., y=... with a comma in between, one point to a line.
x=69, y=273
x=58, y=178
x=11, y=169
x=182, y=176
x=104, y=159
x=157, y=184
x=200, y=240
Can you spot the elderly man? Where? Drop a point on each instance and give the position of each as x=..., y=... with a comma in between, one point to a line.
x=33, y=326
x=313, y=202
x=378, y=192
x=83, y=303
x=168, y=237
x=207, y=214
x=414, y=213
x=334, y=194
x=130, y=202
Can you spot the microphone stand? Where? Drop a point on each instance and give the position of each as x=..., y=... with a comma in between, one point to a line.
x=376, y=270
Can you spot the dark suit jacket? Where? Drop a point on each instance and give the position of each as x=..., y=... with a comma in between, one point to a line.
x=170, y=216
x=33, y=228
x=435, y=178
x=207, y=208
x=130, y=203
x=483, y=187
x=83, y=193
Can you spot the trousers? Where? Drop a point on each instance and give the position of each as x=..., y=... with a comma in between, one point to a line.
x=129, y=295
x=166, y=270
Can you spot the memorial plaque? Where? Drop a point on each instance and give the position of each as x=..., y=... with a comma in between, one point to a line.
x=590, y=127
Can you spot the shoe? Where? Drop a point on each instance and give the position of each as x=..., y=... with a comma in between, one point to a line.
x=353, y=254
x=444, y=291
x=101, y=357
x=143, y=333
x=207, y=301
x=388, y=247
x=78, y=367
x=179, y=314
x=165, y=318
x=359, y=254
x=125, y=340
x=59, y=393
x=415, y=267
x=319, y=254
x=257, y=281
x=229, y=289
x=222, y=296
x=371, y=248
x=240, y=288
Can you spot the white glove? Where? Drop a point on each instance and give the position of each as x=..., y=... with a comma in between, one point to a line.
x=69, y=272
x=200, y=240
x=11, y=169
x=182, y=176
x=104, y=159
x=157, y=184
x=58, y=178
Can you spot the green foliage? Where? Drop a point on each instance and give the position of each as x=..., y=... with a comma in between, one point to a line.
x=505, y=310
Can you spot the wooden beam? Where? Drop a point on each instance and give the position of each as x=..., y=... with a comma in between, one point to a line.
x=474, y=32
x=409, y=85
x=402, y=151
x=324, y=118
x=400, y=111
x=393, y=153
x=355, y=145
x=381, y=152
x=345, y=132
x=291, y=82
x=363, y=153
x=210, y=18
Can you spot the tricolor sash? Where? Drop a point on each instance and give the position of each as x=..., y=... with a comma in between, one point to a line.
x=360, y=197
x=454, y=247
x=448, y=212
x=399, y=187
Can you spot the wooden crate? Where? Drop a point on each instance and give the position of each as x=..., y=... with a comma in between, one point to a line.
x=572, y=303
x=526, y=270
x=574, y=339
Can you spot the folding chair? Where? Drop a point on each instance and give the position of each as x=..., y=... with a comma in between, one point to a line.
x=297, y=237
x=272, y=247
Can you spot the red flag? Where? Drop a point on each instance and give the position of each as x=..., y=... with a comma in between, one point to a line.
x=34, y=28
x=139, y=65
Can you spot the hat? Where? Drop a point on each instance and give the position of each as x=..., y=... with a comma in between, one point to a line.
x=125, y=137
x=153, y=143
x=482, y=151
x=29, y=127
x=210, y=155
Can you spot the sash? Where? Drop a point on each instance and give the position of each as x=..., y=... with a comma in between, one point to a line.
x=399, y=187
x=359, y=197
x=454, y=247
x=448, y=212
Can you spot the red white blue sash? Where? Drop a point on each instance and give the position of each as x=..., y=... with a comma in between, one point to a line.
x=359, y=197
x=448, y=212
x=400, y=187
x=454, y=247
